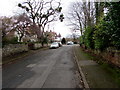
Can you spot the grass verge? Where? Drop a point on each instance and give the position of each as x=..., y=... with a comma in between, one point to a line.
x=113, y=70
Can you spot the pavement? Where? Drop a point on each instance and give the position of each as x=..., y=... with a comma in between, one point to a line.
x=93, y=74
x=52, y=68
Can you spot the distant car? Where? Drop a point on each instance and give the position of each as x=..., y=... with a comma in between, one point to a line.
x=70, y=43
x=54, y=45
x=75, y=42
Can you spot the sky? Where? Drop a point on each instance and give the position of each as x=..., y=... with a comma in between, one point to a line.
x=9, y=8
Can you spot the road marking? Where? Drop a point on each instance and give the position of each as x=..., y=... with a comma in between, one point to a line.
x=31, y=65
x=44, y=65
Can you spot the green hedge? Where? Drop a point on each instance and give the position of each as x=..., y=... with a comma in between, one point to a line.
x=106, y=33
x=88, y=37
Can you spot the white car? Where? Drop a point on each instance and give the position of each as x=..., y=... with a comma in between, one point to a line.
x=54, y=45
x=70, y=43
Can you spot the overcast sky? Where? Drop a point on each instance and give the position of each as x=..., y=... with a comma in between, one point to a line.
x=9, y=8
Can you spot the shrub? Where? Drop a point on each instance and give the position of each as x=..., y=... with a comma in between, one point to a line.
x=6, y=41
x=88, y=37
x=81, y=39
x=107, y=32
x=14, y=40
x=113, y=17
x=102, y=35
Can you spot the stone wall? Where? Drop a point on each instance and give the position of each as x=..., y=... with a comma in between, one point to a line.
x=12, y=49
x=112, y=56
x=37, y=45
x=34, y=46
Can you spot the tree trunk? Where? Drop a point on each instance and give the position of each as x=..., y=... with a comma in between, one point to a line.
x=97, y=12
x=20, y=39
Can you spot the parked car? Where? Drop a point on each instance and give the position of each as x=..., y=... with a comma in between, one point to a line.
x=70, y=43
x=54, y=45
x=75, y=42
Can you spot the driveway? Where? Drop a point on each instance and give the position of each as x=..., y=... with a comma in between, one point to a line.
x=52, y=68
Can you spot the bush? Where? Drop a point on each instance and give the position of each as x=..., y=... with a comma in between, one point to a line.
x=102, y=36
x=14, y=40
x=107, y=32
x=45, y=40
x=88, y=37
x=31, y=46
x=6, y=41
x=113, y=17
x=81, y=39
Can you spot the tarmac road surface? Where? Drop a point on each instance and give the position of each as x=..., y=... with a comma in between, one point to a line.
x=52, y=68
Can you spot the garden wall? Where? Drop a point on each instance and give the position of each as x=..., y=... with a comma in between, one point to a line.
x=12, y=49
x=37, y=45
x=34, y=46
x=112, y=56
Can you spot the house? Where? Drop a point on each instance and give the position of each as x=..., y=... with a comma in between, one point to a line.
x=28, y=36
x=53, y=36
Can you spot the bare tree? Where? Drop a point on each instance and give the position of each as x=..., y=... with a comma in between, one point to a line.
x=42, y=12
x=99, y=10
x=75, y=17
x=81, y=15
x=6, y=25
x=21, y=23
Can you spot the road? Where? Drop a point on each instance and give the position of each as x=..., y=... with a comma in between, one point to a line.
x=0, y=78
x=52, y=68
